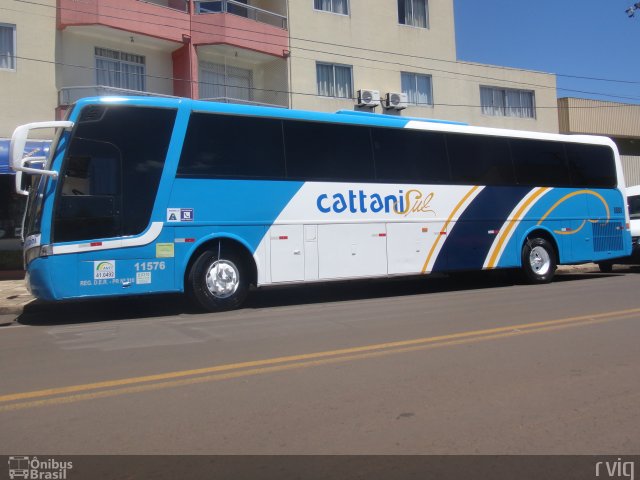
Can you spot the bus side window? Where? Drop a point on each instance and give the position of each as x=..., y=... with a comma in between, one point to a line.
x=480, y=160
x=591, y=165
x=540, y=163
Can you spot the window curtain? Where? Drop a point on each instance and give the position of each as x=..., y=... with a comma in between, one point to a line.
x=420, y=13
x=520, y=104
x=343, y=82
x=341, y=6
x=107, y=72
x=492, y=101
x=212, y=83
x=336, y=6
x=132, y=77
x=239, y=83
x=529, y=104
x=221, y=81
x=413, y=12
x=7, y=48
x=423, y=84
x=417, y=87
x=322, y=5
x=507, y=102
x=324, y=78
x=120, y=69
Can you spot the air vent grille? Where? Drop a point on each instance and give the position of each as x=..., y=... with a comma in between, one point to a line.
x=607, y=236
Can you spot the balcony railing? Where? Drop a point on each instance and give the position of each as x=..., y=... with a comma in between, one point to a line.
x=241, y=10
x=242, y=102
x=69, y=95
x=180, y=5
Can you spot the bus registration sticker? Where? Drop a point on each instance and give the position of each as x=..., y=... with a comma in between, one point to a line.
x=104, y=270
x=143, y=278
x=164, y=250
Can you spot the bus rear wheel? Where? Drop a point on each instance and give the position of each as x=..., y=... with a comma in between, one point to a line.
x=538, y=260
x=218, y=282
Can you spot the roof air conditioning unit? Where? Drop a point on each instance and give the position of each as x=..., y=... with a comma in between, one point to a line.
x=398, y=101
x=368, y=98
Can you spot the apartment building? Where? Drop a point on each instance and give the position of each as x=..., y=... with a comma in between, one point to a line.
x=305, y=54
x=309, y=54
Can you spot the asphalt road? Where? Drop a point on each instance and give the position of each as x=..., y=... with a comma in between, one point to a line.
x=426, y=366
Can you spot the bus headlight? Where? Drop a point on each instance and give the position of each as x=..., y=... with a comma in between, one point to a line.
x=35, y=252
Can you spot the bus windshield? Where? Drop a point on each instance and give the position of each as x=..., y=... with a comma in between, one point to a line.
x=111, y=171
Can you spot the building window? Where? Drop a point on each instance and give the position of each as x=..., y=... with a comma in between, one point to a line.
x=120, y=69
x=223, y=7
x=7, y=46
x=218, y=81
x=414, y=13
x=418, y=88
x=335, y=6
x=334, y=80
x=505, y=102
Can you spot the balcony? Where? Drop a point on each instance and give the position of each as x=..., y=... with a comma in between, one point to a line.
x=168, y=19
x=238, y=23
x=240, y=9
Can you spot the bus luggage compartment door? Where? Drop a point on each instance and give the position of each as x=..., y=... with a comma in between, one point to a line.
x=352, y=250
x=287, y=253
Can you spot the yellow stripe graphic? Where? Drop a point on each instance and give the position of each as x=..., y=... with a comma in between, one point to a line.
x=446, y=225
x=505, y=231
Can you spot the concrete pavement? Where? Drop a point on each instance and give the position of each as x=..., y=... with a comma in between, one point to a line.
x=13, y=293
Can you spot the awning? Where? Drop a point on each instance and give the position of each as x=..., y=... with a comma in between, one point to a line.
x=34, y=148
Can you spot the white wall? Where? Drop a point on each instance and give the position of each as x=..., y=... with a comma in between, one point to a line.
x=77, y=54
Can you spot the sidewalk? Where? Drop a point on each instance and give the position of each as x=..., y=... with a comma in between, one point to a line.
x=13, y=293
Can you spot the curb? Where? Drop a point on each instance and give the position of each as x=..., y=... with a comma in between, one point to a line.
x=14, y=309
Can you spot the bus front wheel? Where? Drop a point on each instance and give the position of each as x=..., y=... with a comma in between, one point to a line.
x=218, y=282
x=538, y=260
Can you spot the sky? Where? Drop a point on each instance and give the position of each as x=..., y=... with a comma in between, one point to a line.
x=571, y=38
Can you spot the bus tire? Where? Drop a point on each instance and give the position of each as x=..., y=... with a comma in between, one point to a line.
x=605, y=267
x=538, y=261
x=218, y=282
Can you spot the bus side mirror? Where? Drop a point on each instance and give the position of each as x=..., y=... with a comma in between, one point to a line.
x=21, y=164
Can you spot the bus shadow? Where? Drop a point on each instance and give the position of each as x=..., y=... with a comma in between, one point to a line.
x=39, y=313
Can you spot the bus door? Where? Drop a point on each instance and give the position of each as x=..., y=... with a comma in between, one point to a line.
x=102, y=215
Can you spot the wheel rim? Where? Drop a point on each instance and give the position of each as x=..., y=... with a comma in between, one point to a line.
x=222, y=279
x=539, y=260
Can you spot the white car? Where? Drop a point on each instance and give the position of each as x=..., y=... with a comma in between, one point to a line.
x=633, y=203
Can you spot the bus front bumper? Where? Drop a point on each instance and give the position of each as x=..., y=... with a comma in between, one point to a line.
x=38, y=280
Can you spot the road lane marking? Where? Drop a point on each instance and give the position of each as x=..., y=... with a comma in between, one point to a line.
x=74, y=393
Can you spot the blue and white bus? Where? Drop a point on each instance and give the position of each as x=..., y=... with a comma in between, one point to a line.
x=148, y=195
